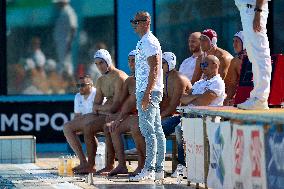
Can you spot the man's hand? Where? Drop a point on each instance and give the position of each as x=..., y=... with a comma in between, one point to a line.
x=96, y=109
x=146, y=101
x=113, y=125
x=228, y=102
x=256, y=22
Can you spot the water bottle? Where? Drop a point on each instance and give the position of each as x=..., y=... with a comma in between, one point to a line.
x=100, y=156
x=99, y=162
x=179, y=175
x=90, y=179
x=61, y=166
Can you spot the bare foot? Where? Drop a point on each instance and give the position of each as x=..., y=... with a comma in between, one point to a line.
x=80, y=166
x=118, y=170
x=137, y=171
x=104, y=171
x=85, y=170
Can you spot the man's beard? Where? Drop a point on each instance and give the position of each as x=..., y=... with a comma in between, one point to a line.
x=194, y=50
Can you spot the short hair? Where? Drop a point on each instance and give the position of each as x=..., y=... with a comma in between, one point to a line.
x=145, y=14
x=88, y=77
x=214, y=59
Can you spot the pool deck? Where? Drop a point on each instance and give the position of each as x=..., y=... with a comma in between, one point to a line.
x=43, y=175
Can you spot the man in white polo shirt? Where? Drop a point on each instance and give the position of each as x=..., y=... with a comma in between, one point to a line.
x=209, y=91
x=149, y=89
x=188, y=65
x=83, y=107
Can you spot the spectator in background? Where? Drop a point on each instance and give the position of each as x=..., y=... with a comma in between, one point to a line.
x=57, y=84
x=187, y=66
x=208, y=45
x=64, y=33
x=83, y=108
x=36, y=79
x=36, y=53
x=29, y=85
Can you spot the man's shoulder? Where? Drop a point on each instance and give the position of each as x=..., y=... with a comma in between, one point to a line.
x=78, y=96
x=94, y=90
x=180, y=79
x=217, y=79
x=120, y=74
x=150, y=39
x=222, y=54
x=187, y=60
x=130, y=79
x=236, y=61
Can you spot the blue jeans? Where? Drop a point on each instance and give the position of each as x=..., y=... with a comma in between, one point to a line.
x=151, y=129
x=171, y=125
x=179, y=138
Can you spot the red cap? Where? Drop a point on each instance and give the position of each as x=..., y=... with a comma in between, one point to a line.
x=211, y=35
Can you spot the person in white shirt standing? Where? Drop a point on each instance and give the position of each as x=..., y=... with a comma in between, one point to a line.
x=149, y=90
x=209, y=91
x=64, y=34
x=188, y=65
x=254, y=15
x=83, y=108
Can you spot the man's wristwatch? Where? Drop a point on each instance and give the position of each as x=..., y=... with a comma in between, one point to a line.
x=256, y=9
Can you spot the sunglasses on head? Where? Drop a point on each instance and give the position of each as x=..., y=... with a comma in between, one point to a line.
x=136, y=22
x=82, y=85
x=203, y=65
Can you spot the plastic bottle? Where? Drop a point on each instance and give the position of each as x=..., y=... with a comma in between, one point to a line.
x=90, y=179
x=179, y=175
x=65, y=166
x=61, y=166
x=100, y=156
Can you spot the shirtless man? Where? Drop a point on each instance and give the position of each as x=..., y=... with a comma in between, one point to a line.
x=109, y=85
x=126, y=121
x=233, y=76
x=208, y=43
x=175, y=85
x=83, y=107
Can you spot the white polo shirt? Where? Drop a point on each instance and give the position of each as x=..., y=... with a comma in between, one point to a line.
x=82, y=105
x=146, y=47
x=187, y=67
x=215, y=84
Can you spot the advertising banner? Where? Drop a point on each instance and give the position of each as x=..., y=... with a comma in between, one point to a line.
x=44, y=120
x=193, y=136
x=220, y=165
x=274, y=145
x=248, y=157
